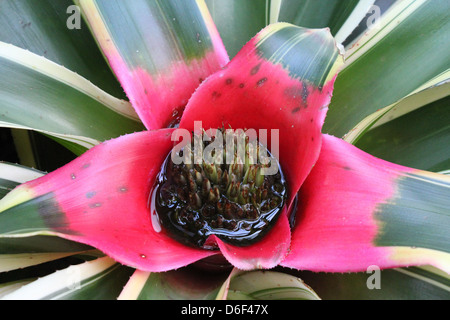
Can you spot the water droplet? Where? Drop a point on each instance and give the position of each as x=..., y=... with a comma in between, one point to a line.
x=153, y=214
x=90, y=194
x=261, y=82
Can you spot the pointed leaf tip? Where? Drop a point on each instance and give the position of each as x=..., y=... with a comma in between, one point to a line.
x=158, y=73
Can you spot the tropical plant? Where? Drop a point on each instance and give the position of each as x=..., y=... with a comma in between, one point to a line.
x=85, y=230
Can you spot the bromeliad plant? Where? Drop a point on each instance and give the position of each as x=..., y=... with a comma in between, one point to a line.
x=331, y=207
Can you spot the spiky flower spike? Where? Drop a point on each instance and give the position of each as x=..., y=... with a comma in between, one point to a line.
x=234, y=196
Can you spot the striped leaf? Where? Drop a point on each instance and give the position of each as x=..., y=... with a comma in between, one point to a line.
x=238, y=21
x=413, y=283
x=11, y=175
x=158, y=70
x=413, y=132
x=44, y=28
x=341, y=17
x=100, y=279
x=413, y=32
x=58, y=102
x=182, y=284
x=428, y=93
x=265, y=285
x=23, y=252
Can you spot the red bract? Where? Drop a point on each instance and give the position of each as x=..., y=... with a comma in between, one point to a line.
x=102, y=198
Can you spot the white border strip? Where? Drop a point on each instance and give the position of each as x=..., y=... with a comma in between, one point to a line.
x=64, y=75
x=389, y=21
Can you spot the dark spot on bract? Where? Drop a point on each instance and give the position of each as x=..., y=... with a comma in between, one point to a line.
x=200, y=80
x=261, y=82
x=305, y=94
x=229, y=81
x=86, y=165
x=241, y=85
x=347, y=168
x=216, y=95
x=90, y=194
x=296, y=110
x=255, y=69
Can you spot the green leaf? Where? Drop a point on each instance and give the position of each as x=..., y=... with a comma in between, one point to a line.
x=181, y=284
x=282, y=43
x=22, y=252
x=238, y=21
x=41, y=27
x=429, y=92
x=159, y=70
x=321, y=14
x=11, y=175
x=56, y=101
x=100, y=279
x=10, y=262
x=413, y=32
x=414, y=138
x=417, y=215
x=269, y=285
x=414, y=283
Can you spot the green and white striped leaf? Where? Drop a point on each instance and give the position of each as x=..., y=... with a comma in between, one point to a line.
x=342, y=17
x=414, y=132
x=10, y=262
x=56, y=31
x=159, y=50
x=11, y=175
x=238, y=21
x=409, y=48
x=100, y=279
x=433, y=90
x=182, y=284
x=26, y=251
x=414, y=283
x=268, y=285
x=58, y=102
x=9, y=287
x=191, y=283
